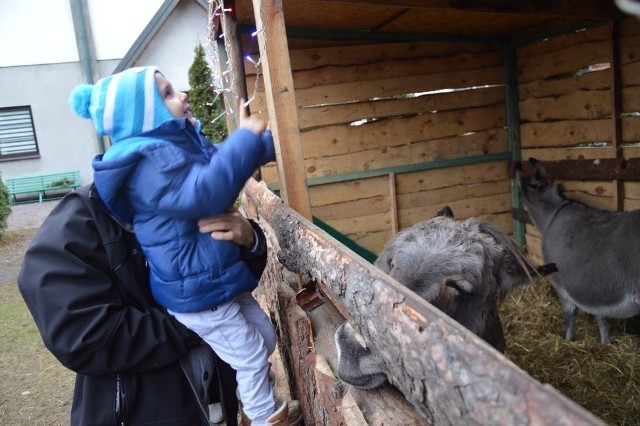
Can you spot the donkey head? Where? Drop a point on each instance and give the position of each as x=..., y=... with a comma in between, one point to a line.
x=541, y=195
x=460, y=267
x=537, y=186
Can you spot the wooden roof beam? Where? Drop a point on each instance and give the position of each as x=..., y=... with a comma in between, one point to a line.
x=561, y=8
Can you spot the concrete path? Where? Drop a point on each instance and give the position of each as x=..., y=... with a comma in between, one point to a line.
x=29, y=215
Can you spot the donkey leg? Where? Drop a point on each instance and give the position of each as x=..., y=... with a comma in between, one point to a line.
x=569, y=314
x=604, y=326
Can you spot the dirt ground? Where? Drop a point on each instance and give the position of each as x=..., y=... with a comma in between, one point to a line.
x=34, y=388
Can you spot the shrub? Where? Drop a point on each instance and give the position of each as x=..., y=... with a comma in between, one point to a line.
x=5, y=206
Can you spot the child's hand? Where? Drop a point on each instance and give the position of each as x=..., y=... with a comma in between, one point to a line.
x=254, y=124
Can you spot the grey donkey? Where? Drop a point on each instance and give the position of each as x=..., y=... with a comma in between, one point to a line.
x=596, y=252
x=461, y=267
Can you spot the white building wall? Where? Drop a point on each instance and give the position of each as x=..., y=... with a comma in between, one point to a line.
x=66, y=141
x=116, y=24
x=39, y=67
x=36, y=32
x=41, y=31
x=173, y=48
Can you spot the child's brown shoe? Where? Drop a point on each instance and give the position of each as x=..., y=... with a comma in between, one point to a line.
x=289, y=414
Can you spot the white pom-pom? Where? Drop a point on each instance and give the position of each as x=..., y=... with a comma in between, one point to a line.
x=80, y=100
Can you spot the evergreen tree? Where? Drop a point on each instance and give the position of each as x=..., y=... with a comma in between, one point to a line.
x=5, y=206
x=202, y=99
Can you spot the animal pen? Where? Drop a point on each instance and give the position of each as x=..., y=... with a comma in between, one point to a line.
x=383, y=112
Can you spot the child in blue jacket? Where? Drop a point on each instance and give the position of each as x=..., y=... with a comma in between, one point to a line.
x=160, y=176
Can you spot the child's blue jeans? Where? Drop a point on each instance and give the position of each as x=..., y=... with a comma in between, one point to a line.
x=242, y=335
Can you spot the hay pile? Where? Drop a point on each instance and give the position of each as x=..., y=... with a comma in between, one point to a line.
x=604, y=379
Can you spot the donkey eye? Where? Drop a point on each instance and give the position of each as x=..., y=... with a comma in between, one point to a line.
x=463, y=287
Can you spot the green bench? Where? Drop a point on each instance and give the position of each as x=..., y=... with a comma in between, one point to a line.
x=41, y=184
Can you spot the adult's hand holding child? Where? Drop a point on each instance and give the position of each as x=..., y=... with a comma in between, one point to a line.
x=229, y=226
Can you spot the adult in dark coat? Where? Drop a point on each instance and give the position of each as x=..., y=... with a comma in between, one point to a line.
x=85, y=282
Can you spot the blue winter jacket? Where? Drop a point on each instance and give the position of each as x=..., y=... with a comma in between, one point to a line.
x=162, y=182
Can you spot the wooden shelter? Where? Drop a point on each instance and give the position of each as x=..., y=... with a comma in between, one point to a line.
x=383, y=112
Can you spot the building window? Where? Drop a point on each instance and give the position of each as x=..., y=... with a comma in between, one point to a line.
x=17, y=135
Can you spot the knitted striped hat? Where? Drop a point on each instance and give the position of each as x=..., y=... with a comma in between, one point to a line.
x=122, y=105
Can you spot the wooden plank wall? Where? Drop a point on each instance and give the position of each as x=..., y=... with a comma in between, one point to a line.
x=566, y=110
x=339, y=86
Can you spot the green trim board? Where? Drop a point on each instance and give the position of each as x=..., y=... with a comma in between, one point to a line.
x=512, y=99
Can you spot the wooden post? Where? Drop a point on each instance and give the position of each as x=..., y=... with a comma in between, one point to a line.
x=616, y=109
x=393, y=201
x=281, y=104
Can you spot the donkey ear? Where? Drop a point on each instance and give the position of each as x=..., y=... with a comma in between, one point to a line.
x=445, y=211
x=540, y=172
x=514, y=267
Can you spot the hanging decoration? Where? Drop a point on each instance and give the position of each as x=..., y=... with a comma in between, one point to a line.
x=224, y=73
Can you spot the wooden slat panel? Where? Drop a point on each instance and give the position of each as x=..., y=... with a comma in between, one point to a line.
x=302, y=59
x=338, y=140
x=311, y=117
x=373, y=241
x=583, y=105
x=565, y=133
x=540, y=88
x=631, y=98
x=463, y=208
x=328, y=75
x=396, y=156
x=353, y=208
x=563, y=54
x=629, y=27
x=441, y=178
x=361, y=224
x=322, y=195
x=436, y=199
x=632, y=190
x=440, y=102
x=389, y=87
x=503, y=221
